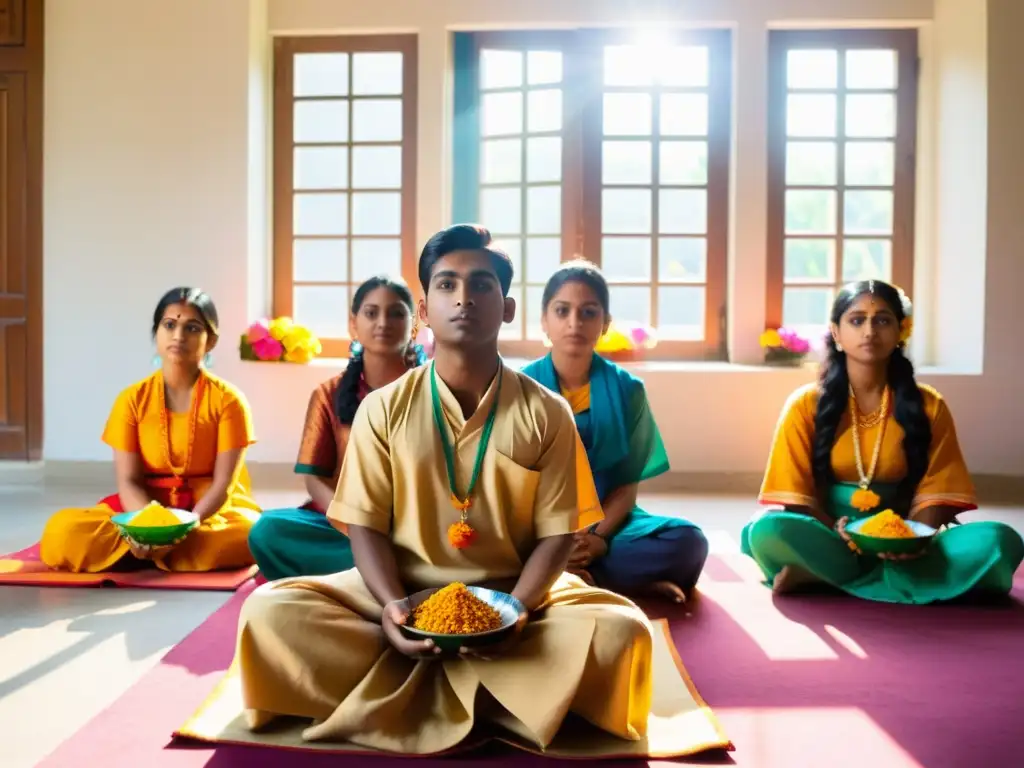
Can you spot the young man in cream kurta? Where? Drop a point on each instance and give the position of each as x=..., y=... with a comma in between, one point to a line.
x=328, y=648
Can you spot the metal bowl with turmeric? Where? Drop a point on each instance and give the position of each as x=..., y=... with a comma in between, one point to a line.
x=888, y=533
x=460, y=616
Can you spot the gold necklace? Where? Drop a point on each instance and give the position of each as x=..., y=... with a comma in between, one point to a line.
x=863, y=498
x=180, y=492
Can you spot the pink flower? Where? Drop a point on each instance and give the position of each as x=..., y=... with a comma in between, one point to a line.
x=257, y=332
x=267, y=348
x=425, y=338
x=793, y=341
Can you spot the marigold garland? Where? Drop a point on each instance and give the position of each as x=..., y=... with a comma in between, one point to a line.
x=461, y=534
x=865, y=500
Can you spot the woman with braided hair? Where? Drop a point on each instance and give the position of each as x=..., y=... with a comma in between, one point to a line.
x=865, y=438
x=302, y=541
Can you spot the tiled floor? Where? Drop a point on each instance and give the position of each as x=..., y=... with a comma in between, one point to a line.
x=67, y=653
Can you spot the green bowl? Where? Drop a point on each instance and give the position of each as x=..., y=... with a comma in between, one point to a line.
x=508, y=607
x=876, y=545
x=159, y=536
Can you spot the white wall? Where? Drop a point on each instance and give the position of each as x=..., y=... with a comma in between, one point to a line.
x=155, y=176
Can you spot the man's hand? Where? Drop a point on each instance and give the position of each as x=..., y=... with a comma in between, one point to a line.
x=396, y=613
x=488, y=652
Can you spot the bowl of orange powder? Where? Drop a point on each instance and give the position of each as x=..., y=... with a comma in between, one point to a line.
x=155, y=525
x=886, y=533
x=457, y=616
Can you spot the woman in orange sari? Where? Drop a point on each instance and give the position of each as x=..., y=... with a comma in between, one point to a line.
x=302, y=541
x=179, y=438
x=866, y=438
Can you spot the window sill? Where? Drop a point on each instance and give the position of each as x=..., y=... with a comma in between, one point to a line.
x=334, y=365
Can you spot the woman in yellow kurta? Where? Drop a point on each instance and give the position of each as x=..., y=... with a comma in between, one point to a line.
x=865, y=439
x=179, y=438
x=463, y=470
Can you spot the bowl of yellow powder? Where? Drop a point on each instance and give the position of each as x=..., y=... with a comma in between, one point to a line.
x=155, y=525
x=888, y=533
x=457, y=616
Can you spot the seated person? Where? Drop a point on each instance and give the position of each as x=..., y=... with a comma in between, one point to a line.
x=867, y=438
x=179, y=438
x=303, y=542
x=463, y=470
x=630, y=551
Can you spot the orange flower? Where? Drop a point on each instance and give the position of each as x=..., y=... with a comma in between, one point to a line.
x=460, y=534
x=461, y=506
x=865, y=500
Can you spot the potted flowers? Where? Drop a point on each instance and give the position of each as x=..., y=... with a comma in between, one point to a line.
x=279, y=340
x=784, y=346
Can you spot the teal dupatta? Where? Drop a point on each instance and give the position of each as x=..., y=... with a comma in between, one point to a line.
x=622, y=440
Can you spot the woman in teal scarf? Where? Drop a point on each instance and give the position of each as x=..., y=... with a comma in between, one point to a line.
x=867, y=438
x=630, y=551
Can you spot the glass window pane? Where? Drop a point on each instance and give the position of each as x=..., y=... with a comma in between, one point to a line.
x=376, y=257
x=810, y=212
x=533, y=312
x=626, y=211
x=867, y=260
x=502, y=161
x=627, y=114
x=543, y=67
x=684, y=114
x=812, y=69
x=377, y=120
x=811, y=115
x=867, y=212
x=320, y=121
x=501, y=69
x=320, y=168
x=543, y=255
x=320, y=261
x=377, y=167
x=684, y=66
x=871, y=115
x=514, y=330
x=320, y=74
x=323, y=309
x=811, y=163
x=626, y=259
x=681, y=313
x=630, y=304
x=684, y=162
x=682, y=211
x=626, y=65
x=502, y=209
x=376, y=213
x=806, y=309
x=810, y=261
x=870, y=163
x=544, y=158
x=871, y=69
x=320, y=214
x=377, y=74
x=502, y=114
x=544, y=110
x=544, y=210
x=682, y=259
x=626, y=162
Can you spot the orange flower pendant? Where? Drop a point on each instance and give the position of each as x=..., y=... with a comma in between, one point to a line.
x=460, y=534
x=865, y=500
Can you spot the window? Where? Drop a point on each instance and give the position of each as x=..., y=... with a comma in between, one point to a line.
x=842, y=130
x=344, y=174
x=610, y=146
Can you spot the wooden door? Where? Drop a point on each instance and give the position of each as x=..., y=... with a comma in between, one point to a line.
x=20, y=230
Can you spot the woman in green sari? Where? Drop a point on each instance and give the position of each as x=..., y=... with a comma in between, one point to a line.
x=302, y=541
x=630, y=551
x=866, y=438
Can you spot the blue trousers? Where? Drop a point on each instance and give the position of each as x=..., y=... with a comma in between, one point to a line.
x=675, y=554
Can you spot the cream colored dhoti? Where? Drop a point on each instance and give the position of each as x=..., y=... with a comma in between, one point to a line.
x=313, y=647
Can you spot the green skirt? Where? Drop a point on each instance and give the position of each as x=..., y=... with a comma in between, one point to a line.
x=973, y=557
